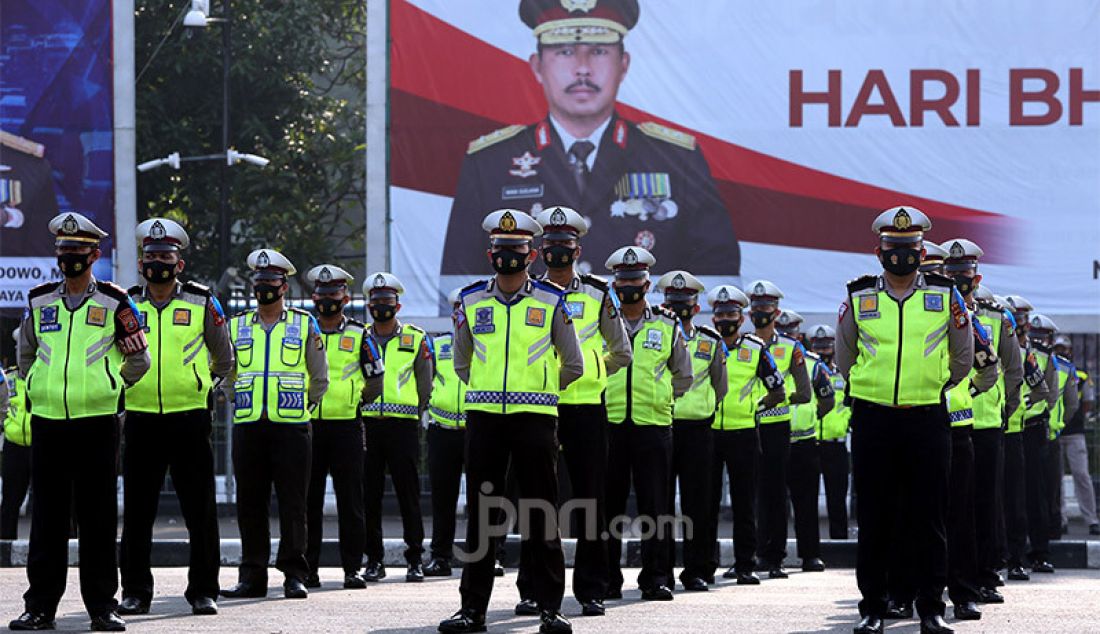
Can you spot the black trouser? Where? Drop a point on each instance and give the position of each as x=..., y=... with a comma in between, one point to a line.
x=1035, y=487
x=178, y=444
x=962, y=548
x=1015, y=500
x=337, y=449
x=642, y=454
x=775, y=448
x=803, y=477
x=73, y=458
x=896, y=450
x=692, y=456
x=835, y=467
x=446, y=450
x=1054, y=471
x=15, y=471
x=393, y=443
x=736, y=451
x=266, y=454
x=988, y=471
x=530, y=441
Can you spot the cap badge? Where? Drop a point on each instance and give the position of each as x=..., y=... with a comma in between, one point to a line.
x=379, y=281
x=157, y=232
x=784, y=319
x=1036, y=322
x=820, y=334
x=262, y=260
x=902, y=220
x=678, y=282
x=325, y=275
x=630, y=258
x=957, y=250
x=723, y=295
x=579, y=5
x=507, y=222
x=758, y=289
x=69, y=225
x=557, y=218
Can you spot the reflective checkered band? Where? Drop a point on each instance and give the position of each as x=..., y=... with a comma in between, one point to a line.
x=776, y=411
x=449, y=416
x=961, y=415
x=391, y=408
x=802, y=433
x=512, y=398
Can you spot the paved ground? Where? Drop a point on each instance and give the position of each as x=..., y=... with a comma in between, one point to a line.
x=805, y=603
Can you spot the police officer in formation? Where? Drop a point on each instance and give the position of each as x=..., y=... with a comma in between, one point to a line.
x=833, y=434
x=168, y=419
x=15, y=468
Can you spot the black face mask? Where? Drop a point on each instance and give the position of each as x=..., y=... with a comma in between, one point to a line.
x=680, y=309
x=558, y=257
x=73, y=264
x=901, y=261
x=762, y=318
x=728, y=327
x=382, y=312
x=507, y=262
x=965, y=284
x=630, y=294
x=266, y=293
x=328, y=305
x=156, y=272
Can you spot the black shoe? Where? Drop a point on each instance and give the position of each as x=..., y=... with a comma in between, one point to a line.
x=694, y=584
x=709, y=579
x=375, y=571
x=438, y=568
x=989, y=595
x=592, y=607
x=109, y=622
x=1017, y=573
x=552, y=622
x=244, y=590
x=527, y=607
x=777, y=572
x=465, y=620
x=133, y=605
x=1094, y=529
x=934, y=625
x=1000, y=580
x=614, y=594
x=730, y=574
x=868, y=625
x=204, y=606
x=312, y=581
x=32, y=621
x=967, y=611
x=813, y=565
x=748, y=579
x=1042, y=566
x=354, y=581
x=294, y=589
x=660, y=593
x=498, y=570
x=899, y=610
x=414, y=573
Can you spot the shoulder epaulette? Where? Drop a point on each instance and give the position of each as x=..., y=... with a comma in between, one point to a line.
x=302, y=311
x=547, y=285
x=356, y=322
x=935, y=279
x=111, y=290
x=494, y=137
x=664, y=312
x=43, y=289
x=415, y=328
x=240, y=313
x=861, y=283
x=134, y=290
x=25, y=146
x=812, y=356
x=753, y=339
x=710, y=332
x=471, y=288
x=196, y=288
x=668, y=135
x=596, y=281
x=991, y=305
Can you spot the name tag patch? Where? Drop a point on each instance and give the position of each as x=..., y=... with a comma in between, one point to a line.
x=653, y=339
x=97, y=316
x=181, y=317
x=868, y=307
x=933, y=303
x=536, y=317
x=483, y=321
x=513, y=192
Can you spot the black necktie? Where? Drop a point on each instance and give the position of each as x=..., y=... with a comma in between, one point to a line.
x=578, y=155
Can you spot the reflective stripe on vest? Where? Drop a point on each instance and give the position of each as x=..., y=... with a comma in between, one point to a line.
x=782, y=350
x=178, y=379
x=699, y=401
x=447, y=405
x=272, y=381
x=584, y=308
x=399, y=397
x=1057, y=417
x=642, y=391
x=345, y=377
x=738, y=409
x=17, y=423
x=989, y=406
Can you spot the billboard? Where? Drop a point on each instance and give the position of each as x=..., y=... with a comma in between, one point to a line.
x=56, y=143
x=758, y=140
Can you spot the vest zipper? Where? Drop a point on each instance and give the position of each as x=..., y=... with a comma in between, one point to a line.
x=160, y=348
x=897, y=365
x=321, y=405
x=198, y=381
x=110, y=377
x=68, y=351
x=507, y=346
x=267, y=365
x=596, y=361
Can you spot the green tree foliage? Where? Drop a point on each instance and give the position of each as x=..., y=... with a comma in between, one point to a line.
x=297, y=85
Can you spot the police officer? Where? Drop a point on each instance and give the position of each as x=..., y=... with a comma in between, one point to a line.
x=168, y=420
x=749, y=368
x=1072, y=440
x=446, y=440
x=775, y=425
x=505, y=332
x=692, y=437
x=392, y=424
x=280, y=377
x=934, y=255
x=355, y=377
x=582, y=412
x=639, y=408
x=640, y=183
x=80, y=344
x=833, y=430
x=1064, y=403
x=27, y=197
x=903, y=338
x=804, y=473
x=15, y=467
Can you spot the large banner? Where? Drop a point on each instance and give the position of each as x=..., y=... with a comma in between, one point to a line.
x=754, y=139
x=56, y=143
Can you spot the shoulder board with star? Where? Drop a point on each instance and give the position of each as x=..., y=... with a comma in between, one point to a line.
x=595, y=281
x=43, y=289
x=710, y=332
x=494, y=137
x=862, y=283
x=26, y=146
x=935, y=279
x=470, y=288
x=661, y=311
x=754, y=340
x=667, y=134
x=196, y=288
x=112, y=290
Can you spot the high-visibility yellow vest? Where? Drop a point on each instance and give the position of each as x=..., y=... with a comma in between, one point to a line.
x=399, y=397
x=782, y=348
x=345, y=377
x=513, y=368
x=179, y=378
x=584, y=299
x=738, y=409
x=272, y=379
x=698, y=403
x=1057, y=417
x=448, y=404
x=1016, y=419
x=989, y=406
x=834, y=426
x=1043, y=358
x=76, y=372
x=804, y=422
x=903, y=346
x=642, y=391
x=17, y=422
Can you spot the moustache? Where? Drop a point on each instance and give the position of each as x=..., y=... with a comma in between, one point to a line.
x=582, y=83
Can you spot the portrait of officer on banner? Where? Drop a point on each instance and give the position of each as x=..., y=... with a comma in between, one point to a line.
x=635, y=182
